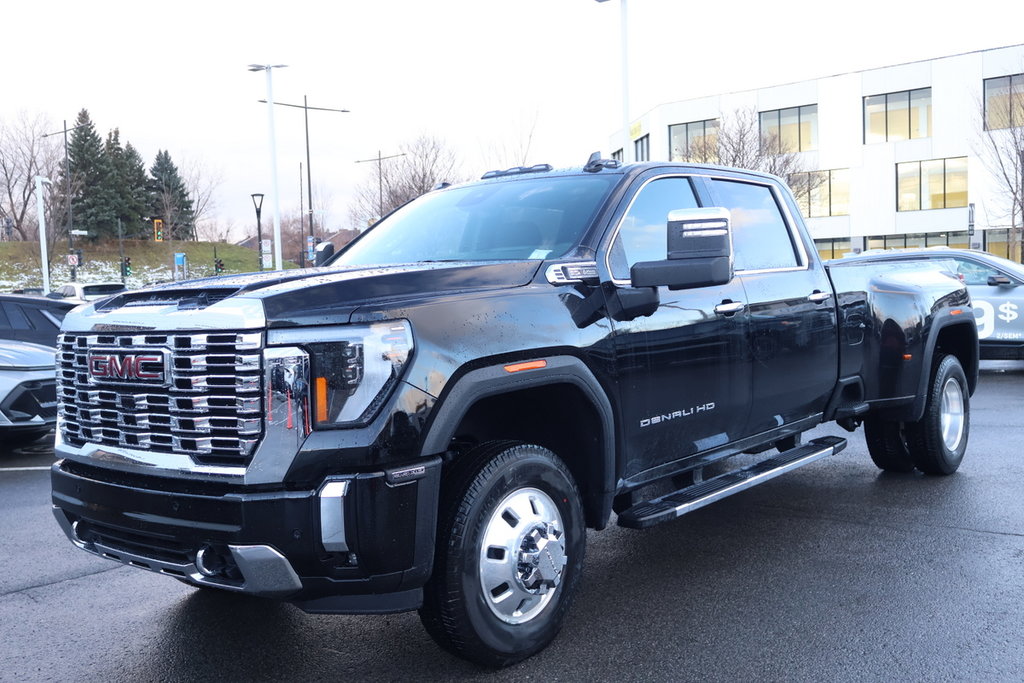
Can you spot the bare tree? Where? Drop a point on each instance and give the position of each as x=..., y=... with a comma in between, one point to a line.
x=426, y=161
x=1000, y=146
x=741, y=142
x=215, y=231
x=202, y=183
x=24, y=154
x=514, y=150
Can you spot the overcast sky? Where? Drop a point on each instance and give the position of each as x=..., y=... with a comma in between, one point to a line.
x=476, y=73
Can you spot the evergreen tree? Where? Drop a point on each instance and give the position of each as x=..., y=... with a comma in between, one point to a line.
x=93, y=190
x=170, y=200
x=128, y=183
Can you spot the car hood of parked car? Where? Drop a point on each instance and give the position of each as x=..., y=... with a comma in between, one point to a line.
x=18, y=355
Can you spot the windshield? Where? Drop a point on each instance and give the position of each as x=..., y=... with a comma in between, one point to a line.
x=534, y=218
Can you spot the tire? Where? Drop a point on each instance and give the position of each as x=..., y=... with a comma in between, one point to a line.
x=938, y=440
x=484, y=601
x=887, y=444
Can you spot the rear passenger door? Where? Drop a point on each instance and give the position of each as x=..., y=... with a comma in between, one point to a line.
x=790, y=307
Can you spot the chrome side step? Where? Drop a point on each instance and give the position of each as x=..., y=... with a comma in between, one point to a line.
x=678, y=503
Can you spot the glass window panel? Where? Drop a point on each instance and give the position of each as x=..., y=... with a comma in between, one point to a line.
x=770, y=131
x=895, y=241
x=760, y=235
x=958, y=240
x=825, y=248
x=997, y=103
x=915, y=241
x=956, y=182
x=799, y=183
x=996, y=242
x=921, y=113
x=933, y=184
x=617, y=155
x=876, y=243
x=897, y=116
x=789, y=130
x=908, y=186
x=677, y=142
x=840, y=192
x=642, y=234
x=819, y=193
x=1017, y=100
x=711, y=141
x=808, y=128
x=974, y=273
x=841, y=246
x=874, y=119
x=640, y=147
x=935, y=239
x=695, y=141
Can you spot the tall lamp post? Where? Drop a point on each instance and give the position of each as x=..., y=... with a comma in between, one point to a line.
x=257, y=201
x=44, y=257
x=624, y=47
x=268, y=68
x=66, y=130
x=309, y=173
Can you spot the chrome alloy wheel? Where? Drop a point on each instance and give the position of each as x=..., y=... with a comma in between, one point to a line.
x=952, y=414
x=522, y=555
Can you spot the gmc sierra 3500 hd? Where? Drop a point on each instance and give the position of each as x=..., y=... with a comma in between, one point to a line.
x=433, y=418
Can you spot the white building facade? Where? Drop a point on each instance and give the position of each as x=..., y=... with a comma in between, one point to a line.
x=893, y=156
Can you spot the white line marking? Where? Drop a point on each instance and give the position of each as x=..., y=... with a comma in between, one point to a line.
x=24, y=469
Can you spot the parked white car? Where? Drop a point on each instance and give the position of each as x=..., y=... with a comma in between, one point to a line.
x=87, y=291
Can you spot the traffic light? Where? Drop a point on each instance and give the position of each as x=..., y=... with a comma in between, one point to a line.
x=126, y=266
x=158, y=230
x=218, y=266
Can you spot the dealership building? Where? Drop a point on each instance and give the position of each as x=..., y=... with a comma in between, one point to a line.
x=890, y=157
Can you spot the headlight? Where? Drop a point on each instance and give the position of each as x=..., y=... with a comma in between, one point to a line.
x=352, y=367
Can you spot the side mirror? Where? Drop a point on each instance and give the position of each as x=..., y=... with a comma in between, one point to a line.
x=999, y=281
x=699, y=252
x=324, y=251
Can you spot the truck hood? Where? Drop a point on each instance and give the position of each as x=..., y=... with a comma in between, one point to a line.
x=19, y=355
x=298, y=297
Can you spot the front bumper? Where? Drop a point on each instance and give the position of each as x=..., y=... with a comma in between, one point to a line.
x=357, y=543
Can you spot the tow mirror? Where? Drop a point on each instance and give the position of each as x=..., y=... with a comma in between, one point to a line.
x=699, y=252
x=324, y=252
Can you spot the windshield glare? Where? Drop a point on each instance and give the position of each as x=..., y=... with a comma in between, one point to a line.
x=535, y=218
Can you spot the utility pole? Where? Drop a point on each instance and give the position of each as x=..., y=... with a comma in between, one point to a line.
x=309, y=171
x=380, y=179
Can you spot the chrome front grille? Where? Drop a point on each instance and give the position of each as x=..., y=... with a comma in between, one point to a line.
x=211, y=410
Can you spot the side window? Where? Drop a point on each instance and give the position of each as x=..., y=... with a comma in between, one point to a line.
x=761, y=240
x=5, y=323
x=642, y=235
x=19, y=321
x=975, y=273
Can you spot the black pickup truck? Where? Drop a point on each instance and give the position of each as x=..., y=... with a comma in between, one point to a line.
x=433, y=418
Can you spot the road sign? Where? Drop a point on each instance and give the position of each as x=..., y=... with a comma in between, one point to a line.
x=267, y=257
x=80, y=233
x=72, y=260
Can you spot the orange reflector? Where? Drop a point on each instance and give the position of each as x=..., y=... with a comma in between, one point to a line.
x=908, y=356
x=321, y=399
x=529, y=365
x=956, y=311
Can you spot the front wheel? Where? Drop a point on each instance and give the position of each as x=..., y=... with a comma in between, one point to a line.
x=510, y=548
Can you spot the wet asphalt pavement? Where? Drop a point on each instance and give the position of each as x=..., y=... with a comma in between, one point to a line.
x=833, y=572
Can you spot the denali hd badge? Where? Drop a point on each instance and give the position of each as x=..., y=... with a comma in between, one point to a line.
x=125, y=366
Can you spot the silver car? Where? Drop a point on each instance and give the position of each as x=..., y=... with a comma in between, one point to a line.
x=28, y=393
x=995, y=287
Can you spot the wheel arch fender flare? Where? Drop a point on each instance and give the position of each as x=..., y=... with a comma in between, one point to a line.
x=494, y=380
x=965, y=327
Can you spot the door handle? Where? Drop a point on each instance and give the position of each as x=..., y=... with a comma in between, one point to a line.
x=818, y=296
x=730, y=307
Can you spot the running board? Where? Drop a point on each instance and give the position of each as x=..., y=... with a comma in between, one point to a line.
x=678, y=503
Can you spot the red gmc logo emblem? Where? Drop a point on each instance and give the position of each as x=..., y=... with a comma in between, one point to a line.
x=122, y=367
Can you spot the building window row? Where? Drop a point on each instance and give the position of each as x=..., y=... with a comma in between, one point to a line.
x=1004, y=102
x=955, y=239
x=642, y=148
x=694, y=141
x=822, y=193
x=795, y=129
x=905, y=115
x=932, y=184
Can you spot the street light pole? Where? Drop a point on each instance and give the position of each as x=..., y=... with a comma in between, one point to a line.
x=67, y=182
x=257, y=201
x=309, y=173
x=268, y=68
x=380, y=179
x=624, y=47
x=45, y=263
